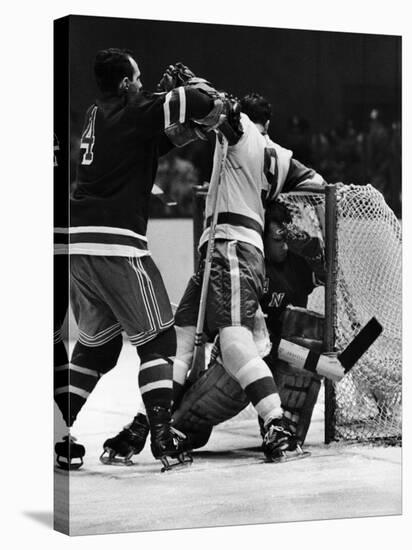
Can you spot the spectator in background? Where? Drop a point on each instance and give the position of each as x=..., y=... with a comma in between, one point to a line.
x=298, y=139
x=395, y=169
x=175, y=176
x=377, y=160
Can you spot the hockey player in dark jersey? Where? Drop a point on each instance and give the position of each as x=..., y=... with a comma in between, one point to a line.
x=290, y=279
x=61, y=294
x=115, y=285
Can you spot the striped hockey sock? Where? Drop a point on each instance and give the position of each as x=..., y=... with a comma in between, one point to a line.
x=72, y=386
x=75, y=380
x=258, y=384
x=156, y=382
x=241, y=360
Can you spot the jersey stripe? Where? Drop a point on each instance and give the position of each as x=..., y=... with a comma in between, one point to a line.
x=166, y=109
x=234, y=233
x=100, y=249
x=104, y=229
x=174, y=107
x=108, y=238
x=232, y=218
x=106, y=241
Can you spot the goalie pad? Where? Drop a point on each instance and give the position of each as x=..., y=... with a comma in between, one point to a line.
x=214, y=398
x=298, y=393
x=299, y=389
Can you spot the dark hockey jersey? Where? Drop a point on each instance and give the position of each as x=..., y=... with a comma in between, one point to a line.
x=60, y=194
x=119, y=149
x=288, y=283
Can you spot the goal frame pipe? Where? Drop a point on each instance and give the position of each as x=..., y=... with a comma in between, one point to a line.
x=330, y=305
x=329, y=333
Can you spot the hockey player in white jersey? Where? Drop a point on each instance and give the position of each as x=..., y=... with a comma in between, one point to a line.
x=255, y=172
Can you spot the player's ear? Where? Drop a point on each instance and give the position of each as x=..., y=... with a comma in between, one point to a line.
x=124, y=84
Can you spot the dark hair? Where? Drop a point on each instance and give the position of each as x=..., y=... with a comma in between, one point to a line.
x=110, y=67
x=276, y=212
x=257, y=108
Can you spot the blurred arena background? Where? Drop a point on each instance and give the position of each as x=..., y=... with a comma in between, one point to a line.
x=336, y=97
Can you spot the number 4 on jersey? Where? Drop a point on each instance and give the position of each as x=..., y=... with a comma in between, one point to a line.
x=88, y=138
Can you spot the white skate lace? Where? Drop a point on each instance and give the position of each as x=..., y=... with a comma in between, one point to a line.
x=178, y=433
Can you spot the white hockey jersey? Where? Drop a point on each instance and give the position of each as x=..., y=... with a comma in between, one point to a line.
x=255, y=172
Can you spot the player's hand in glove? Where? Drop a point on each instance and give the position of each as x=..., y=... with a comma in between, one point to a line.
x=174, y=76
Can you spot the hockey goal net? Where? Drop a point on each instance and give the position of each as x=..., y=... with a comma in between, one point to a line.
x=362, y=240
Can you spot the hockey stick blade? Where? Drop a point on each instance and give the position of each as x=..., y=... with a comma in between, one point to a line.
x=360, y=344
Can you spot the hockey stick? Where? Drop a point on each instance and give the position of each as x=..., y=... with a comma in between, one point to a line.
x=334, y=367
x=214, y=184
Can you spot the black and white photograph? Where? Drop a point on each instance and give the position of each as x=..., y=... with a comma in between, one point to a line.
x=214, y=277
x=228, y=291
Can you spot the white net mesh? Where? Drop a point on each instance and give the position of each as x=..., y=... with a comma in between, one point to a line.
x=369, y=271
x=367, y=267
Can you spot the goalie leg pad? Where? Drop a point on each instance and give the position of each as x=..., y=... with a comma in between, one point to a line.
x=213, y=398
x=298, y=392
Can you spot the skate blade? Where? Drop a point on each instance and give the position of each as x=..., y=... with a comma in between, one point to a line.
x=64, y=464
x=113, y=460
x=179, y=462
x=289, y=456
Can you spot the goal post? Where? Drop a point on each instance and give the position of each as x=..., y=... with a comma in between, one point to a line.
x=330, y=305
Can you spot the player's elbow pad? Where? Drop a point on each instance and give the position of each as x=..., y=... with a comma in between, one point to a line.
x=182, y=134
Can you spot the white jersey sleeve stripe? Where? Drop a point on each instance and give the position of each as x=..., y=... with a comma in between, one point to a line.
x=166, y=109
x=182, y=102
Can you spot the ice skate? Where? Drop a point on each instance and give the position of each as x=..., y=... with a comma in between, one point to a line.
x=130, y=441
x=280, y=444
x=69, y=454
x=168, y=444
